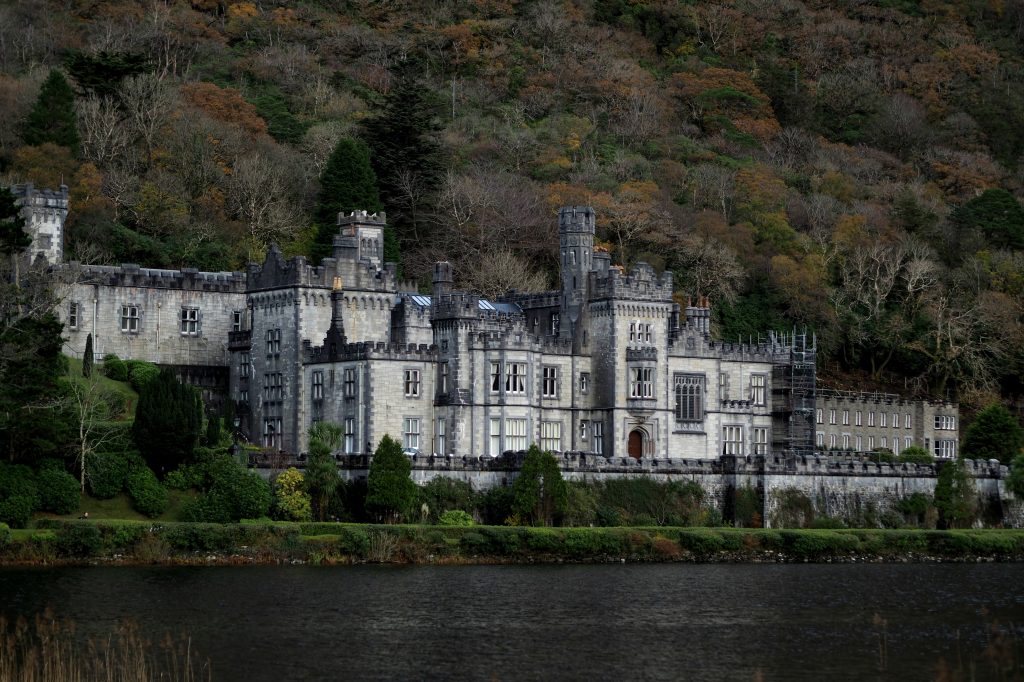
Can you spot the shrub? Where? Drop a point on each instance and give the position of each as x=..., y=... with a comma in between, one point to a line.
x=58, y=491
x=391, y=493
x=813, y=544
x=475, y=543
x=747, y=508
x=442, y=494
x=185, y=477
x=455, y=517
x=823, y=522
x=149, y=497
x=544, y=540
x=540, y=494
x=79, y=540
x=589, y=542
x=701, y=542
x=140, y=373
x=955, y=496
x=5, y=534
x=19, y=494
x=292, y=502
x=354, y=541
x=496, y=505
x=115, y=368
x=915, y=454
x=504, y=541
x=106, y=474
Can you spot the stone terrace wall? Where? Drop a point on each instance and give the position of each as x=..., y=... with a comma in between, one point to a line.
x=836, y=488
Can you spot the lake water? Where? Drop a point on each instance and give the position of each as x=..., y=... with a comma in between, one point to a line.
x=606, y=622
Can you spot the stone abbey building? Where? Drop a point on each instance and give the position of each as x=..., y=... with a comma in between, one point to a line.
x=610, y=363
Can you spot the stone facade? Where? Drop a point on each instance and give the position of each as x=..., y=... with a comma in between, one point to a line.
x=865, y=422
x=609, y=364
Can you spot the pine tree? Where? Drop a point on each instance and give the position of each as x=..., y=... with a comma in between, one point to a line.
x=405, y=153
x=168, y=421
x=213, y=431
x=540, y=492
x=87, y=358
x=13, y=237
x=390, y=491
x=52, y=118
x=994, y=434
x=347, y=183
x=101, y=73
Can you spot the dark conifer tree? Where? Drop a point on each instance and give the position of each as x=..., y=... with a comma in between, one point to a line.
x=347, y=183
x=101, y=73
x=13, y=237
x=213, y=431
x=168, y=421
x=405, y=154
x=52, y=118
x=87, y=358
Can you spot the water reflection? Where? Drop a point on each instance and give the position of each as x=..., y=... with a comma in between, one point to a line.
x=658, y=622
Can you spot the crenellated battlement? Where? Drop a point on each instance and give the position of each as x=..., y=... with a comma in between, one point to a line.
x=576, y=219
x=371, y=351
x=131, y=275
x=642, y=283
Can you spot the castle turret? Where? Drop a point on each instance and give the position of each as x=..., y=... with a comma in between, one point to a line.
x=576, y=242
x=443, y=279
x=335, y=339
x=365, y=232
x=44, y=211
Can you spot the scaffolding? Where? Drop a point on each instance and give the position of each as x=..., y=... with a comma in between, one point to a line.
x=794, y=378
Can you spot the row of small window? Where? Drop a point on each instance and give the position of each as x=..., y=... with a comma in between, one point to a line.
x=515, y=435
x=190, y=319
x=513, y=381
x=858, y=442
x=349, y=383
x=689, y=390
x=732, y=440
x=641, y=332
x=858, y=418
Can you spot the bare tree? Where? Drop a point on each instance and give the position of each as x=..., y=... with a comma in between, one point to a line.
x=707, y=267
x=499, y=271
x=712, y=187
x=89, y=404
x=105, y=134
x=148, y=103
x=258, y=197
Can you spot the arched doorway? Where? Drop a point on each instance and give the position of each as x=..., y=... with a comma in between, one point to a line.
x=636, y=444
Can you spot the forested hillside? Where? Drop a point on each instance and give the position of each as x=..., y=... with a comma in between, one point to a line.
x=854, y=166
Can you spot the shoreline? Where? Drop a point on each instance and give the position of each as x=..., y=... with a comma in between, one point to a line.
x=132, y=543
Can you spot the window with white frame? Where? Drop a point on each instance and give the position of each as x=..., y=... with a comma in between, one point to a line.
x=846, y=441
x=858, y=418
x=549, y=383
x=441, y=445
x=689, y=397
x=832, y=440
x=732, y=440
x=907, y=421
x=515, y=378
x=895, y=420
x=846, y=417
x=758, y=382
x=583, y=430
x=860, y=443
x=442, y=379
x=551, y=436
x=945, y=449
x=236, y=321
x=243, y=395
x=820, y=416
x=495, y=377
x=584, y=382
x=832, y=416
x=515, y=434
x=598, y=429
x=883, y=442
x=871, y=442
x=494, y=434
x=272, y=432
x=641, y=384
x=632, y=331
x=348, y=383
x=130, y=319
x=72, y=315
x=760, y=440
x=723, y=386
x=245, y=365
x=882, y=419
x=641, y=332
x=412, y=383
x=945, y=422
x=820, y=439
x=411, y=432
x=350, y=435
x=273, y=386
x=906, y=442
x=190, y=321
x=871, y=418
x=273, y=338
x=318, y=385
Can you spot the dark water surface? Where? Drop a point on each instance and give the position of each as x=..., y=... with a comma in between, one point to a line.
x=611, y=622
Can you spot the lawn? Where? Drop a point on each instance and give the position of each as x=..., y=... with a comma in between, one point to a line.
x=127, y=395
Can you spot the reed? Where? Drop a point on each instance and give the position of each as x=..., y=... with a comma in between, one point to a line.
x=47, y=649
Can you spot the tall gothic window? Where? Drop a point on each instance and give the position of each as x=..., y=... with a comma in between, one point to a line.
x=689, y=397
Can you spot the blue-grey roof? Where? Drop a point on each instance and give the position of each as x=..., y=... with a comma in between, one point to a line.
x=489, y=306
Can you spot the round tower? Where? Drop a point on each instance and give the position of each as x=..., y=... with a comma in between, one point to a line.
x=576, y=242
